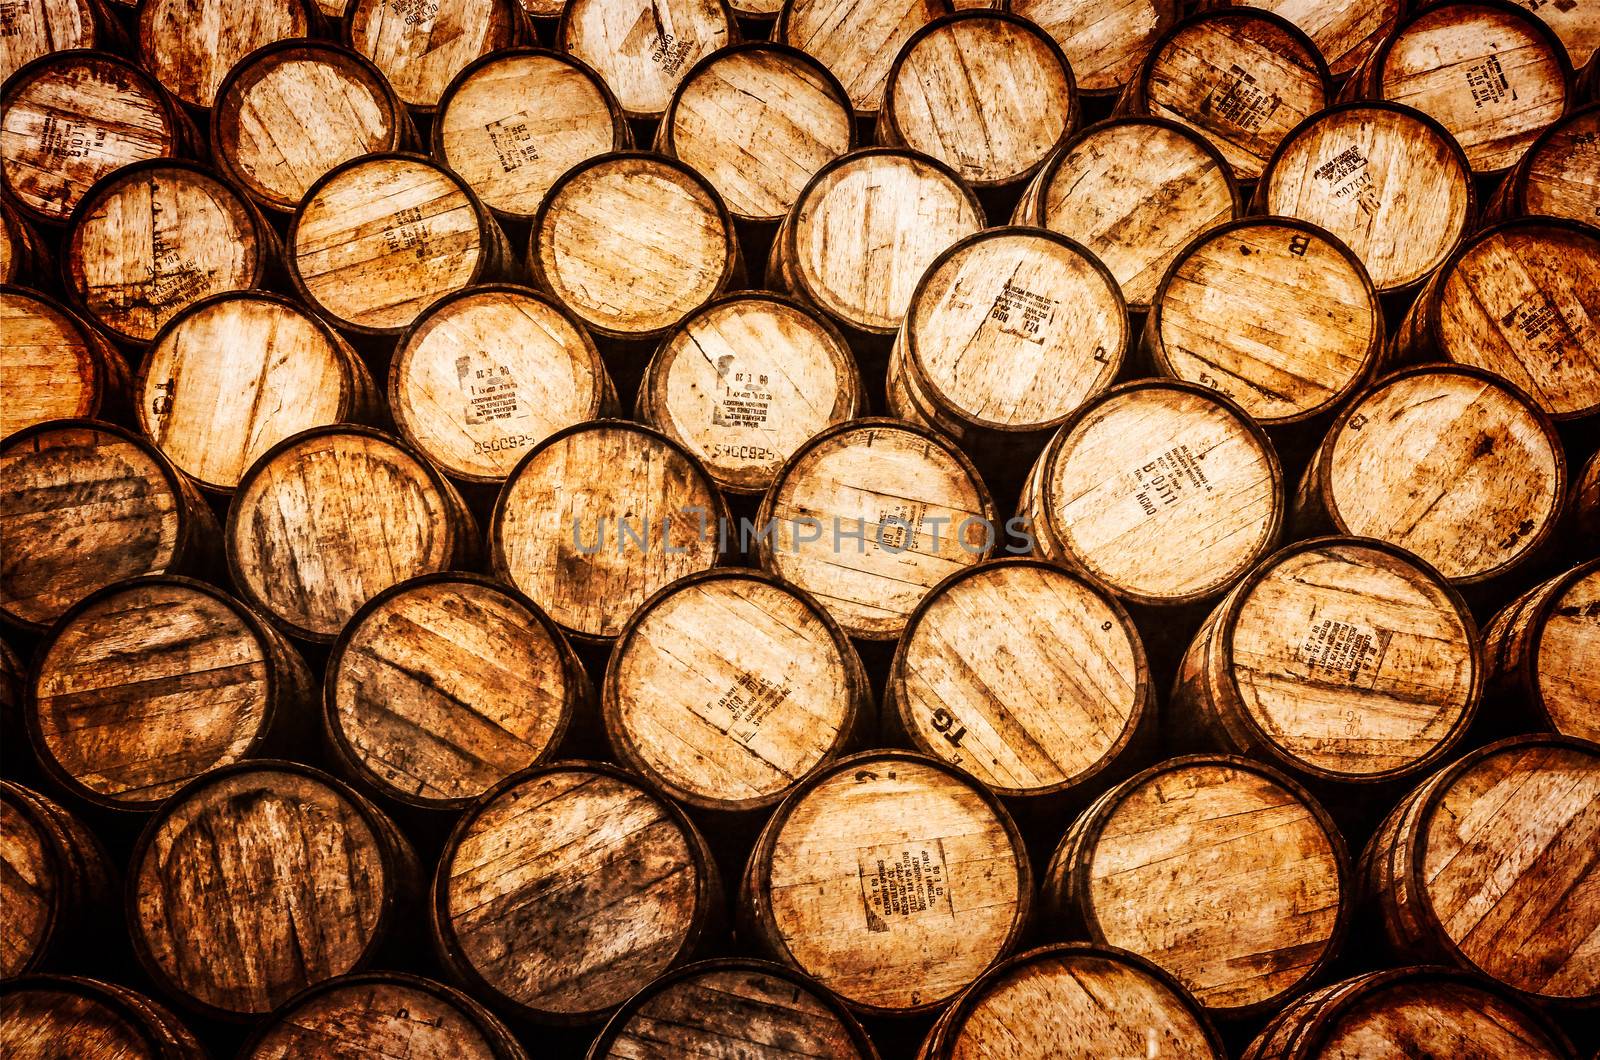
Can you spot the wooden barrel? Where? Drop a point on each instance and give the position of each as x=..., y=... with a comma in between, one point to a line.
x=421, y=45
x=12, y=673
x=24, y=258
x=86, y=1019
x=1009, y=331
x=1345, y=31
x=1449, y=462
x=295, y=109
x=756, y=11
x=515, y=120
x=1339, y=659
x=360, y=217
x=260, y=879
x=987, y=93
x=857, y=40
x=1490, y=72
x=235, y=374
x=1242, y=77
x=1023, y=675
x=643, y=68
x=441, y=687
x=648, y=514
x=1558, y=175
x=1134, y=192
x=155, y=236
x=148, y=683
x=377, y=1014
x=733, y=1007
x=190, y=45
x=1576, y=28
x=725, y=722
x=1221, y=870
x=1540, y=650
x=1074, y=999
x=1387, y=180
x=56, y=882
x=1522, y=300
x=1585, y=502
x=53, y=365
x=36, y=28
x=890, y=878
x=864, y=231
x=309, y=548
x=1161, y=491
x=86, y=504
x=73, y=117
x=1104, y=40
x=1275, y=313
x=758, y=120
x=1489, y=865
x=1426, y=1011
x=868, y=515
x=490, y=371
x=745, y=381
x=611, y=886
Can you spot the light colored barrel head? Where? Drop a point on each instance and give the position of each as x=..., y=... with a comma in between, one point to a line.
x=1344, y=32
x=190, y=45
x=1574, y=23
x=382, y=1014
x=51, y=366
x=1563, y=170
x=420, y=45
x=1104, y=40
x=644, y=47
x=35, y=28
x=1568, y=680
x=856, y=40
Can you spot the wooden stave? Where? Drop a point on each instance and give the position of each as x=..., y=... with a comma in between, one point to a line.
x=1511, y=641
x=780, y=32
x=27, y=260
x=86, y=879
x=559, y=39
x=111, y=383
x=520, y=31
x=166, y=1036
x=1509, y=199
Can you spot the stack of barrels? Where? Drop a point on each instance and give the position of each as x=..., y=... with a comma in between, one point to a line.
x=771, y=528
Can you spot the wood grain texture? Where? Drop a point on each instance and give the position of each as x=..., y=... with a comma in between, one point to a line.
x=856, y=40
x=1522, y=300
x=891, y=879
x=643, y=48
x=1243, y=78
x=1134, y=192
x=374, y=1015
x=1573, y=23
x=156, y=236
x=23, y=255
x=745, y=381
x=259, y=880
x=1162, y=492
x=1559, y=174
x=1277, y=314
x=1387, y=180
x=732, y=1008
x=233, y=375
x=633, y=242
x=378, y=239
x=869, y=515
x=1344, y=31
x=758, y=120
x=1340, y=659
x=297, y=109
x=1409, y=1012
x=86, y=504
x=1021, y=674
x=1584, y=502
x=1491, y=865
x=55, y=880
x=989, y=94
x=441, y=687
x=1447, y=461
x=646, y=514
x=146, y=684
x=190, y=45
x=514, y=121
x=1103, y=40
x=1540, y=648
x=36, y=28
x=1489, y=72
x=1073, y=1001
x=420, y=45
x=488, y=372
x=309, y=550
x=54, y=365
x=1159, y=864
x=865, y=229
x=55, y=1017
x=728, y=688
x=567, y=889
x=72, y=119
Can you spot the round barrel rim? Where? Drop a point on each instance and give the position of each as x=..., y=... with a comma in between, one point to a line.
x=113, y=996
x=1319, y=470
x=518, y=29
x=559, y=42
x=621, y=134
x=1156, y=346
x=143, y=34
x=25, y=801
x=571, y=673
x=780, y=33
x=102, y=384
x=1526, y=677
x=705, y=911
x=858, y=699
x=1144, y=704
x=404, y=353
x=1513, y=188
